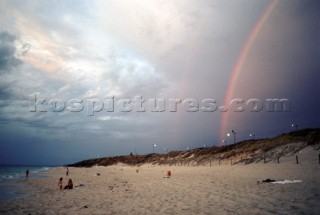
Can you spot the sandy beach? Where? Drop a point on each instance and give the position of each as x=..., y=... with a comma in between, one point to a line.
x=223, y=189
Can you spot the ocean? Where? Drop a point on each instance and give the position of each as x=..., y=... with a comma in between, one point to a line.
x=11, y=174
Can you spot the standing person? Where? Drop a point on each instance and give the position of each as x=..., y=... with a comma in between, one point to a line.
x=27, y=173
x=60, y=183
x=67, y=172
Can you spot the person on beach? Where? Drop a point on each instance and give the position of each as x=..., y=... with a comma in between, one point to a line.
x=60, y=183
x=70, y=185
x=27, y=173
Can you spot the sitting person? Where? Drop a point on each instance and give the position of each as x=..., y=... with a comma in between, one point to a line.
x=70, y=185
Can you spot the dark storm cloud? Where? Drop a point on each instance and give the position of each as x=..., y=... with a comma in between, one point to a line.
x=284, y=64
x=7, y=51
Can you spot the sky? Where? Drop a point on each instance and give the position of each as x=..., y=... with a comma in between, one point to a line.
x=88, y=79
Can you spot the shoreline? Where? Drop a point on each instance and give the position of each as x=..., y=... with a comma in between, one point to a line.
x=12, y=188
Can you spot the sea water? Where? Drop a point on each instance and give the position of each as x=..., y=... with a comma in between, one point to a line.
x=13, y=174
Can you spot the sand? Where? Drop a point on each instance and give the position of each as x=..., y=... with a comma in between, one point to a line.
x=223, y=189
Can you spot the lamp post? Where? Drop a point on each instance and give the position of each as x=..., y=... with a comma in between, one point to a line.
x=154, y=145
x=234, y=136
x=295, y=125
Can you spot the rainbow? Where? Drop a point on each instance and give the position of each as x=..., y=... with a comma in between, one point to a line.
x=240, y=61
